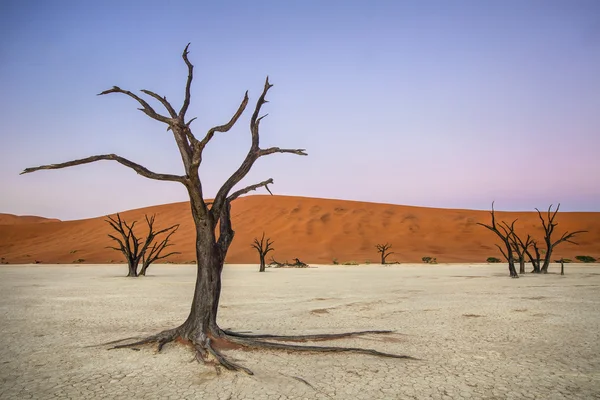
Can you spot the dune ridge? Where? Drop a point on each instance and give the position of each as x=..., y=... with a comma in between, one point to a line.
x=314, y=230
x=11, y=219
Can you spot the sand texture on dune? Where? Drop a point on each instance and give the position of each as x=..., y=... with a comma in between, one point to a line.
x=314, y=230
x=477, y=333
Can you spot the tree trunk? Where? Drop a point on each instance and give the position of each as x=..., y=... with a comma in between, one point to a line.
x=522, y=265
x=201, y=324
x=544, y=269
x=262, y=263
x=511, y=266
x=133, y=266
x=562, y=267
x=202, y=320
x=143, y=270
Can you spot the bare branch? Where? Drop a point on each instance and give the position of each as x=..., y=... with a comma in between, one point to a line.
x=188, y=85
x=501, y=251
x=157, y=248
x=146, y=108
x=271, y=150
x=255, y=120
x=566, y=237
x=163, y=100
x=227, y=126
x=250, y=188
x=113, y=157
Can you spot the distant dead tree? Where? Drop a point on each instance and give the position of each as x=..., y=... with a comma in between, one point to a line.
x=535, y=260
x=549, y=226
x=297, y=264
x=508, y=230
x=520, y=248
x=214, y=231
x=525, y=246
x=262, y=247
x=134, y=249
x=154, y=253
x=383, y=249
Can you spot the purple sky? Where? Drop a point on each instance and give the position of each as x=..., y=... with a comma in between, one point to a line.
x=432, y=103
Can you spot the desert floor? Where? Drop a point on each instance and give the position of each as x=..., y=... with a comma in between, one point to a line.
x=477, y=333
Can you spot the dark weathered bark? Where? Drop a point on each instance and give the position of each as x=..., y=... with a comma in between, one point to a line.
x=383, y=249
x=262, y=247
x=507, y=229
x=201, y=328
x=548, y=230
x=562, y=266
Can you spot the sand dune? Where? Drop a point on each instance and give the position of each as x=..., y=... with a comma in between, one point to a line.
x=314, y=230
x=11, y=219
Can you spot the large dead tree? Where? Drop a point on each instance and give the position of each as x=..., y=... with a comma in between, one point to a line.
x=214, y=232
x=134, y=249
x=507, y=231
x=383, y=249
x=549, y=226
x=262, y=248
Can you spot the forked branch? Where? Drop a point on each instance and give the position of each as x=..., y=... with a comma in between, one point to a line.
x=146, y=108
x=253, y=154
x=163, y=100
x=223, y=128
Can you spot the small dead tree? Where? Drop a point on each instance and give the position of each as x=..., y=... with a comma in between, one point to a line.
x=154, y=253
x=262, y=247
x=214, y=231
x=549, y=226
x=508, y=230
x=132, y=247
x=520, y=249
x=383, y=249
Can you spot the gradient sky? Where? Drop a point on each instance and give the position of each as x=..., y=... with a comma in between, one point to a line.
x=431, y=103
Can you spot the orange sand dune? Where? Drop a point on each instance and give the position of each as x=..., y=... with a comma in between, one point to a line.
x=11, y=219
x=314, y=230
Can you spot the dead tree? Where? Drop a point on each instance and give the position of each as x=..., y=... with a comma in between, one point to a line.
x=299, y=264
x=276, y=263
x=383, y=249
x=214, y=232
x=508, y=231
x=262, y=248
x=548, y=230
x=133, y=248
x=520, y=248
x=154, y=253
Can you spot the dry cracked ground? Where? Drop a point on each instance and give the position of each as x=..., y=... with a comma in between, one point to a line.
x=476, y=333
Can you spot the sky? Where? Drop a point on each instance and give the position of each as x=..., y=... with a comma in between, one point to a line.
x=442, y=103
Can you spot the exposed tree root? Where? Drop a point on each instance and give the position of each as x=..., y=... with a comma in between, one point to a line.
x=303, y=338
x=207, y=347
x=321, y=349
x=161, y=338
x=230, y=365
